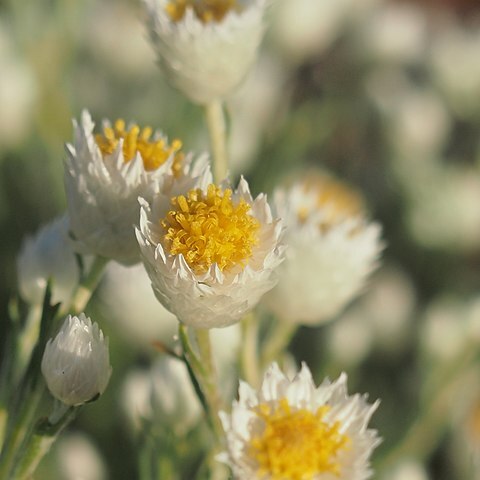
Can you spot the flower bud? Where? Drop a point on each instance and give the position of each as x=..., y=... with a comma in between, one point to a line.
x=76, y=363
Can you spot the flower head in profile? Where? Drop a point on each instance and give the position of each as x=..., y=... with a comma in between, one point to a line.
x=105, y=173
x=291, y=429
x=332, y=248
x=76, y=364
x=211, y=254
x=205, y=47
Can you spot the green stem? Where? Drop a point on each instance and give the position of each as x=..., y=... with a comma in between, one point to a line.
x=3, y=425
x=204, y=376
x=209, y=380
x=42, y=438
x=23, y=404
x=249, y=361
x=20, y=431
x=278, y=341
x=86, y=287
x=217, y=130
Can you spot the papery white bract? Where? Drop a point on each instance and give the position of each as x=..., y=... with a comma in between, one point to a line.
x=292, y=429
x=75, y=363
x=48, y=255
x=202, y=287
x=205, y=59
x=332, y=248
x=105, y=175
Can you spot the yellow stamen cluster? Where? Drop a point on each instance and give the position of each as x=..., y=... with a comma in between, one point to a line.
x=154, y=152
x=338, y=200
x=296, y=444
x=209, y=228
x=206, y=10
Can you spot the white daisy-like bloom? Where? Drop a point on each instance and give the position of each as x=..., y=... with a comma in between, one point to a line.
x=205, y=47
x=76, y=364
x=48, y=255
x=107, y=172
x=332, y=248
x=211, y=254
x=291, y=429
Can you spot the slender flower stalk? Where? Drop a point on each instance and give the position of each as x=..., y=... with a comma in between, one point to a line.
x=249, y=354
x=24, y=403
x=216, y=127
x=277, y=341
x=204, y=376
x=42, y=438
x=86, y=287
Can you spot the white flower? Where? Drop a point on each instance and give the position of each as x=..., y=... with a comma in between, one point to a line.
x=394, y=33
x=205, y=47
x=332, y=249
x=304, y=29
x=455, y=66
x=79, y=459
x=76, y=363
x=104, y=176
x=407, y=469
x=290, y=429
x=48, y=255
x=174, y=401
x=211, y=257
x=443, y=203
x=133, y=309
x=18, y=89
x=164, y=395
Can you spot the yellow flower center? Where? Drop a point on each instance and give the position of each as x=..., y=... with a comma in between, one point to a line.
x=296, y=444
x=209, y=228
x=206, y=10
x=154, y=152
x=338, y=200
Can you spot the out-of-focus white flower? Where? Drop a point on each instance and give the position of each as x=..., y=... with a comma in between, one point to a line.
x=395, y=33
x=292, y=429
x=18, y=92
x=205, y=47
x=449, y=325
x=115, y=25
x=455, y=66
x=174, y=401
x=104, y=176
x=78, y=459
x=417, y=121
x=332, y=249
x=381, y=318
x=48, y=255
x=163, y=395
x=350, y=339
x=135, y=397
x=133, y=309
x=76, y=363
x=407, y=470
x=442, y=208
x=211, y=254
x=305, y=28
